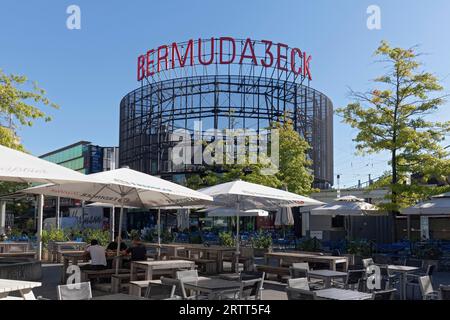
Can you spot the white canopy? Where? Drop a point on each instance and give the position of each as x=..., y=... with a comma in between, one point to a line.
x=230, y=212
x=346, y=206
x=126, y=187
x=18, y=166
x=242, y=195
x=255, y=196
x=437, y=206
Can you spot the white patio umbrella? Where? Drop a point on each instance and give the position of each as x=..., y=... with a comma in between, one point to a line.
x=242, y=195
x=435, y=206
x=17, y=166
x=126, y=187
x=346, y=206
x=284, y=217
x=230, y=212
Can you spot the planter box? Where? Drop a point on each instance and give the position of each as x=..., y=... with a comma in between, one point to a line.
x=260, y=252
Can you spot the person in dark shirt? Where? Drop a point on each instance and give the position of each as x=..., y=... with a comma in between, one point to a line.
x=138, y=251
x=112, y=246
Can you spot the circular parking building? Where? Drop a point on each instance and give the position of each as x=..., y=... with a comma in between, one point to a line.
x=221, y=84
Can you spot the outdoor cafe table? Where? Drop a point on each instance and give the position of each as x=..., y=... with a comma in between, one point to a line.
x=403, y=271
x=207, y=251
x=56, y=247
x=291, y=257
x=151, y=266
x=212, y=286
x=342, y=294
x=327, y=276
x=24, y=287
x=7, y=247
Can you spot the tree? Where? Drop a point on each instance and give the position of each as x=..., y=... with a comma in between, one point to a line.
x=393, y=118
x=294, y=167
x=20, y=100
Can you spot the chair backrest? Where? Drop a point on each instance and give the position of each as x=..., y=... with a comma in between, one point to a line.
x=425, y=285
x=367, y=262
x=444, y=292
x=430, y=269
x=299, y=283
x=301, y=265
x=250, y=289
x=354, y=276
x=250, y=275
x=75, y=291
x=300, y=294
x=179, y=286
x=384, y=295
x=187, y=275
x=156, y=291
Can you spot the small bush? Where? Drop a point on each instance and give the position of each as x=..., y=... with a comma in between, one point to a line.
x=227, y=239
x=262, y=241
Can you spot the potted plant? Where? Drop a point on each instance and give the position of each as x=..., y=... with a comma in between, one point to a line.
x=262, y=243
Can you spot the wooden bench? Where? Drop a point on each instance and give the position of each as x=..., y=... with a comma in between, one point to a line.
x=278, y=271
x=136, y=287
x=87, y=275
x=205, y=265
x=118, y=279
x=25, y=254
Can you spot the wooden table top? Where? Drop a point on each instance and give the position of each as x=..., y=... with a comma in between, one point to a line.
x=14, y=285
x=342, y=294
x=153, y=263
x=302, y=255
x=327, y=273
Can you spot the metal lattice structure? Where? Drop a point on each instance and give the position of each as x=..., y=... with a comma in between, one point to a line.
x=222, y=99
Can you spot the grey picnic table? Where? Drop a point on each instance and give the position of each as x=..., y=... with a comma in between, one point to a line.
x=212, y=286
x=403, y=271
x=290, y=257
x=327, y=276
x=207, y=251
x=342, y=294
x=157, y=265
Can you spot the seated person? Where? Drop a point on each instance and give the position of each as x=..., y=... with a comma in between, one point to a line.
x=98, y=256
x=137, y=251
x=111, y=249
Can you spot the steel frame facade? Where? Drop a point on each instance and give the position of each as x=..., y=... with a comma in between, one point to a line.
x=150, y=113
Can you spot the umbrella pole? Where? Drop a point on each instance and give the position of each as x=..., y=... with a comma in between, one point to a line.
x=119, y=237
x=112, y=222
x=236, y=257
x=40, y=204
x=159, y=234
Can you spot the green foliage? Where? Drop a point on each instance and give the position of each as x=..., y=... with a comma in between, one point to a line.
x=293, y=172
x=360, y=248
x=195, y=239
x=53, y=235
x=135, y=234
x=310, y=245
x=167, y=237
x=428, y=252
x=102, y=236
x=262, y=241
x=392, y=118
x=227, y=239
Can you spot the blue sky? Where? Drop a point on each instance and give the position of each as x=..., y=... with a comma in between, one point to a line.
x=88, y=71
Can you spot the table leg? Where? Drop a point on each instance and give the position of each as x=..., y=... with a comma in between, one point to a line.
x=219, y=262
x=132, y=271
x=149, y=275
x=327, y=282
x=27, y=294
x=403, y=279
x=64, y=270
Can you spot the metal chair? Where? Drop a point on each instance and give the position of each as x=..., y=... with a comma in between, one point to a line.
x=413, y=279
x=76, y=291
x=300, y=294
x=160, y=291
x=426, y=289
x=248, y=290
x=384, y=295
x=299, y=283
x=367, y=262
x=444, y=291
x=187, y=275
x=180, y=291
